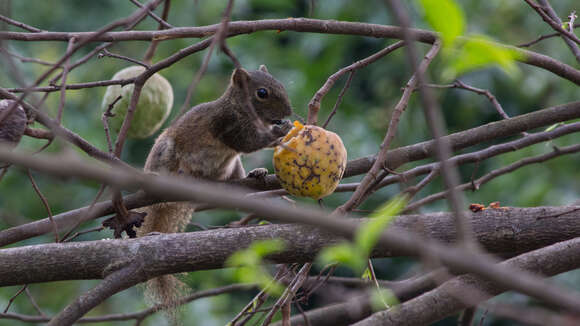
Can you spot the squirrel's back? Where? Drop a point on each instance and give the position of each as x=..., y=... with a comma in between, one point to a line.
x=206, y=143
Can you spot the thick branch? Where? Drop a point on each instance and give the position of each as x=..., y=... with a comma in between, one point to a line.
x=115, y=282
x=500, y=231
x=395, y=158
x=396, y=239
x=470, y=137
x=446, y=299
x=289, y=24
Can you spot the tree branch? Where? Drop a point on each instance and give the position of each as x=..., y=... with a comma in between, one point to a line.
x=395, y=158
x=372, y=176
x=140, y=315
x=500, y=231
x=289, y=24
x=396, y=239
x=444, y=300
x=117, y=281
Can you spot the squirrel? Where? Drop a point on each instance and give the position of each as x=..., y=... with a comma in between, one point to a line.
x=206, y=142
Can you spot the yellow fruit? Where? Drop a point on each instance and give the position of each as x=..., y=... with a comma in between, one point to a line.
x=310, y=162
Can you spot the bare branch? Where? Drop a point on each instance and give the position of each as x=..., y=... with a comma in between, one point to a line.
x=314, y=104
x=65, y=69
x=522, y=229
x=436, y=123
x=439, y=303
x=25, y=59
x=158, y=19
x=45, y=203
x=140, y=315
x=549, y=11
x=396, y=239
x=339, y=98
x=496, y=173
x=148, y=57
x=372, y=176
x=19, y=24
x=290, y=24
x=541, y=38
x=114, y=282
x=395, y=158
x=63, y=132
x=106, y=53
x=554, y=24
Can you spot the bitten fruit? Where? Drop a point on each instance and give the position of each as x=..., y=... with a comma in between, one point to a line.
x=310, y=162
x=13, y=126
x=152, y=110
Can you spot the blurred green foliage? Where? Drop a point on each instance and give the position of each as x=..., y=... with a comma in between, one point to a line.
x=302, y=61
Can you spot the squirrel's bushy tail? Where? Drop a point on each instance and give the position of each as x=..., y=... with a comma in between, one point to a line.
x=166, y=290
x=166, y=218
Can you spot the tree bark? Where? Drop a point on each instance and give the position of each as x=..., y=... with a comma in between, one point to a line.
x=504, y=231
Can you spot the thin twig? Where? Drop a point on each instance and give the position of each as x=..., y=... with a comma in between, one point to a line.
x=148, y=57
x=106, y=53
x=289, y=292
x=11, y=300
x=372, y=177
x=436, y=124
x=259, y=299
x=65, y=69
x=88, y=213
x=158, y=19
x=461, y=85
x=49, y=89
x=314, y=105
x=45, y=203
x=26, y=59
x=541, y=38
x=38, y=133
x=496, y=173
x=413, y=190
x=217, y=38
x=547, y=8
x=33, y=302
x=105, y=119
x=339, y=98
x=77, y=234
x=21, y=25
x=557, y=27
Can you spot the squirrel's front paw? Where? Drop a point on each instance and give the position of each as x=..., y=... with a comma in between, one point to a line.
x=258, y=173
x=281, y=127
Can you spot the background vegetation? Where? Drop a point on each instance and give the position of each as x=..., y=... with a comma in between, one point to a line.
x=303, y=62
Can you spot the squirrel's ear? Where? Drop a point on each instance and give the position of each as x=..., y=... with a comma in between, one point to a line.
x=264, y=69
x=240, y=76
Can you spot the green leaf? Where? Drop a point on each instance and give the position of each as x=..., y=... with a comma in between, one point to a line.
x=381, y=298
x=554, y=126
x=249, y=263
x=366, y=275
x=265, y=247
x=255, y=252
x=343, y=253
x=446, y=17
x=478, y=52
x=368, y=234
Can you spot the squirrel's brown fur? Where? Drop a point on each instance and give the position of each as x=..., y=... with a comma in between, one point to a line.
x=206, y=143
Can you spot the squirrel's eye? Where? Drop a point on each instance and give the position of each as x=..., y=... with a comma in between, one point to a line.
x=262, y=93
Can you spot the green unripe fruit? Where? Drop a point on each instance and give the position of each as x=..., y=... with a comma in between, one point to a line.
x=152, y=109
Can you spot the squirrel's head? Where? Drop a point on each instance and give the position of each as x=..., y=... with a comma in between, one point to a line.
x=267, y=95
